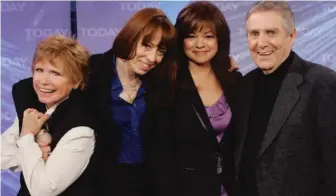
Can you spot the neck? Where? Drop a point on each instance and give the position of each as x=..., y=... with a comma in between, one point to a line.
x=204, y=69
x=124, y=71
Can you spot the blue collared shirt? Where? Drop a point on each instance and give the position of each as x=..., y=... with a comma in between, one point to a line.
x=128, y=118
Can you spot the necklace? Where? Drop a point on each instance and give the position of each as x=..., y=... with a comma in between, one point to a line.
x=129, y=85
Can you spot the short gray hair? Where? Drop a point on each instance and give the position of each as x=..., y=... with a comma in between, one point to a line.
x=278, y=6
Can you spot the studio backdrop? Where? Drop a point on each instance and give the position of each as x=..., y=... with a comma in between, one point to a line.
x=96, y=24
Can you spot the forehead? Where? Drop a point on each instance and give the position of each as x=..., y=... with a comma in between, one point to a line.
x=203, y=27
x=153, y=37
x=52, y=64
x=265, y=20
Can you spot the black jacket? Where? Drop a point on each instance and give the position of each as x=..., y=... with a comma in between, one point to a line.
x=187, y=148
x=297, y=154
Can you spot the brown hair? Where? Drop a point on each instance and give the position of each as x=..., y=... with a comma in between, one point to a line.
x=143, y=25
x=196, y=16
x=64, y=53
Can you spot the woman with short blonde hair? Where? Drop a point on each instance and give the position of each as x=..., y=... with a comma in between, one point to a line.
x=53, y=138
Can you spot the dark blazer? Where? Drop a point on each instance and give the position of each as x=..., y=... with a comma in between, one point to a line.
x=297, y=155
x=98, y=94
x=187, y=163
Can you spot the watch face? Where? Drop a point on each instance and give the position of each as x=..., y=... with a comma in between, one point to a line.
x=43, y=137
x=43, y=131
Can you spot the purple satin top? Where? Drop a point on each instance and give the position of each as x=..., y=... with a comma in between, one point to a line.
x=220, y=116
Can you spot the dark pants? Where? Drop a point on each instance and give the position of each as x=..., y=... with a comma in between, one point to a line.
x=129, y=180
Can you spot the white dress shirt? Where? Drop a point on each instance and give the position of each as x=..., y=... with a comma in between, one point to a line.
x=65, y=164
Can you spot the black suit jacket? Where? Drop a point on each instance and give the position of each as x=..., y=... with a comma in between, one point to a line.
x=186, y=163
x=297, y=155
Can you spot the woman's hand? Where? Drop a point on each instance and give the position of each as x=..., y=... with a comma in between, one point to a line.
x=234, y=65
x=33, y=121
x=43, y=139
x=45, y=151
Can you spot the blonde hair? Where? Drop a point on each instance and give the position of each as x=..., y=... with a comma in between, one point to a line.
x=64, y=53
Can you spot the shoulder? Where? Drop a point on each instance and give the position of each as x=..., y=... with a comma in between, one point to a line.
x=238, y=77
x=251, y=74
x=24, y=95
x=319, y=75
x=95, y=61
x=95, y=58
x=22, y=86
x=79, y=112
x=100, y=64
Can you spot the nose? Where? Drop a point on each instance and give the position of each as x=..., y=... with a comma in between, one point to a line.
x=44, y=78
x=151, y=56
x=199, y=42
x=262, y=41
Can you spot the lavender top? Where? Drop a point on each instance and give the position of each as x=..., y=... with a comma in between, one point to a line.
x=220, y=116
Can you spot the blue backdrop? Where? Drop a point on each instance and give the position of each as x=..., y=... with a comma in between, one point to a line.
x=25, y=23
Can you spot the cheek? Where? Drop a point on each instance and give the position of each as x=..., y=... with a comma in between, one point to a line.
x=187, y=45
x=36, y=79
x=252, y=45
x=280, y=43
x=66, y=89
x=140, y=52
x=158, y=59
x=214, y=46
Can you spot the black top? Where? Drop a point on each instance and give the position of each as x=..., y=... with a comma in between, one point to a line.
x=266, y=91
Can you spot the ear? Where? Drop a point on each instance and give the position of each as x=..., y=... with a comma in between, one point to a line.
x=293, y=35
x=76, y=85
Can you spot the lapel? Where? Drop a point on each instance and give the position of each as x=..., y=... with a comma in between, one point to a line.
x=195, y=102
x=248, y=89
x=287, y=99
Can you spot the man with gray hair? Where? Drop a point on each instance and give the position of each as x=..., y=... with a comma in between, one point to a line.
x=286, y=141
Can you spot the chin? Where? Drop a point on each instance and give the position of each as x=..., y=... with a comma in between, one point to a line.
x=201, y=62
x=141, y=72
x=263, y=65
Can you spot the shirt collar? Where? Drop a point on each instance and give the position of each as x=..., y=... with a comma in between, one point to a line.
x=116, y=84
x=53, y=108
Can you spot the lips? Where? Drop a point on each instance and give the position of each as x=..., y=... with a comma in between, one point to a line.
x=44, y=90
x=145, y=66
x=200, y=52
x=265, y=53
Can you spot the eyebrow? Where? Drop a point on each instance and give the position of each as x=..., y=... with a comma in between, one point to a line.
x=267, y=29
x=151, y=44
x=208, y=32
